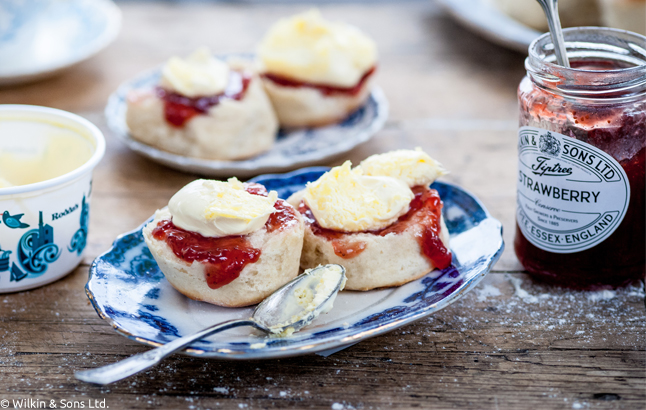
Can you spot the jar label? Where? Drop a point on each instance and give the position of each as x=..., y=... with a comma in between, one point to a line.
x=570, y=195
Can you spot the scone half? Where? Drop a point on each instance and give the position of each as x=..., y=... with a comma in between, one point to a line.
x=278, y=264
x=231, y=130
x=371, y=260
x=304, y=106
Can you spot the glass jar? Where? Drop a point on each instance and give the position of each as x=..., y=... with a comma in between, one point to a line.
x=580, y=218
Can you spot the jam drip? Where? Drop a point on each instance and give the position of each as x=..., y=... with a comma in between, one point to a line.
x=225, y=257
x=178, y=108
x=345, y=246
x=326, y=90
x=423, y=218
x=282, y=218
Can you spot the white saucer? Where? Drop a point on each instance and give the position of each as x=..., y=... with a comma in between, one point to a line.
x=39, y=38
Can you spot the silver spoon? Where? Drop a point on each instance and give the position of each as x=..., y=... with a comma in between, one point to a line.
x=550, y=7
x=285, y=311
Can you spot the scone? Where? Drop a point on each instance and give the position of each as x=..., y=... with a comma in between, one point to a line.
x=204, y=108
x=226, y=243
x=316, y=72
x=380, y=220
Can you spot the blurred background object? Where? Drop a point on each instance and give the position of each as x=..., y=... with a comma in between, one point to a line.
x=515, y=23
x=624, y=14
x=571, y=12
x=39, y=38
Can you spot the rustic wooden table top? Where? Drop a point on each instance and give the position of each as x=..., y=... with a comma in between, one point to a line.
x=509, y=344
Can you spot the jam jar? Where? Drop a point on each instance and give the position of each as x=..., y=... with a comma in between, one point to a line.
x=580, y=188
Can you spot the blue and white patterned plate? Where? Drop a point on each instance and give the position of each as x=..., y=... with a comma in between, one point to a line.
x=127, y=288
x=293, y=149
x=39, y=38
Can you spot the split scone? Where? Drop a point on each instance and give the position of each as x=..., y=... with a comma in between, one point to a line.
x=205, y=108
x=380, y=220
x=226, y=243
x=316, y=72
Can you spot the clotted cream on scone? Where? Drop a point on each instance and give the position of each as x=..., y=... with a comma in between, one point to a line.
x=226, y=243
x=380, y=220
x=316, y=71
x=204, y=107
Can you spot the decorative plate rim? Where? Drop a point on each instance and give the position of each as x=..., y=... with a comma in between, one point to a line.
x=113, y=19
x=343, y=337
x=246, y=167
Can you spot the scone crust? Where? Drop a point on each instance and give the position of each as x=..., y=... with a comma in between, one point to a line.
x=298, y=107
x=386, y=261
x=232, y=129
x=277, y=265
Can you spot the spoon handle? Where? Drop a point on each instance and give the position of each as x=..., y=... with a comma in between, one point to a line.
x=550, y=7
x=134, y=364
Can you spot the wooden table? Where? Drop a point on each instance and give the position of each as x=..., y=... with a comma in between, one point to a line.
x=510, y=344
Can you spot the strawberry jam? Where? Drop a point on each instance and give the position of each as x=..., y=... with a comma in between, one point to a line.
x=616, y=261
x=178, y=108
x=599, y=105
x=344, y=243
x=283, y=217
x=225, y=257
x=326, y=90
x=423, y=219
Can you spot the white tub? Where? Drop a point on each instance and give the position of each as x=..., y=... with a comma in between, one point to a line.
x=44, y=224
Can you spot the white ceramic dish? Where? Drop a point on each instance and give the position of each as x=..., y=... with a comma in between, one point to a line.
x=293, y=149
x=39, y=38
x=44, y=225
x=485, y=20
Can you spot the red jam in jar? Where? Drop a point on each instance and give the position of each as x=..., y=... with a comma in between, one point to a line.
x=326, y=90
x=178, y=108
x=423, y=218
x=581, y=149
x=225, y=257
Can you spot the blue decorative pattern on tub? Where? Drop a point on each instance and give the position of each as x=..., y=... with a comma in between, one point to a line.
x=4, y=260
x=13, y=221
x=36, y=249
x=16, y=274
x=79, y=239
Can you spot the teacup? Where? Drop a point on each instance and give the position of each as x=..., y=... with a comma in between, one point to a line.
x=46, y=162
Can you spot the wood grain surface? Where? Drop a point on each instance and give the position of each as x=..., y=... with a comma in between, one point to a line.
x=509, y=344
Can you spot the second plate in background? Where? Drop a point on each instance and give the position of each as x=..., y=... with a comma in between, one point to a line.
x=293, y=149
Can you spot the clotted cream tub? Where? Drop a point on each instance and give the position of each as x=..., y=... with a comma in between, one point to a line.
x=46, y=161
